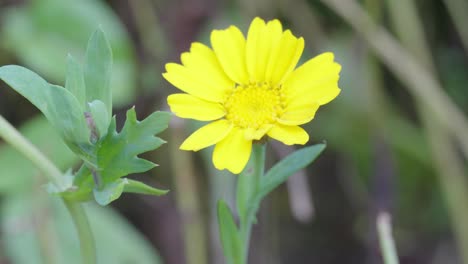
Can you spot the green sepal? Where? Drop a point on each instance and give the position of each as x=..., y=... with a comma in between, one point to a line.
x=230, y=237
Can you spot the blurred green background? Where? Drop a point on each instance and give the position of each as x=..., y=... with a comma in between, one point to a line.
x=397, y=135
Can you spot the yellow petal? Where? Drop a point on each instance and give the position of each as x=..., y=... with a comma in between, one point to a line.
x=299, y=115
x=203, y=61
x=229, y=47
x=316, y=80
x=192, y=83
x=188, y=106
x=323, y=93
x=285, y=55
x=259, y=46
x=289, y=135
x=232, y=152
x=207, y=135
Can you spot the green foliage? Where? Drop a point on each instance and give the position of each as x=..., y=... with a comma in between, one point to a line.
x=287, y=167
x=81, y=113
x=117, y=155
x=117, y=152
x=58, y=105
x=252, y=188
x=113, y=190
x=230, y=238
x=97, y=71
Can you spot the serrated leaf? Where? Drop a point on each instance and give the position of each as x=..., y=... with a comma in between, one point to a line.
x=117, y=152
x=97, y=70
x=287, y=167
x=100, y=116
x=230, y=238
x=59, y=106
x=74, y=81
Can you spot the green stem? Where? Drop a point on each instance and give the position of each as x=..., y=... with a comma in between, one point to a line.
x=387, y=244
x=85, y=235
x=15, y=139
x=251, y=180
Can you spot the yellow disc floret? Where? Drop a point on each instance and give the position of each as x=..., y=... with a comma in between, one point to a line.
x=253, y=105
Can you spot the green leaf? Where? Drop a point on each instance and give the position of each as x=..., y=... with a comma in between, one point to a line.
x=97, y=71
x=114, y=190
x=75, y=82
x=117, y=152
x=287, y=167
x=59, y=106
x=132, y=186
x=100, y=116
x=230, y=238
x=110, y=192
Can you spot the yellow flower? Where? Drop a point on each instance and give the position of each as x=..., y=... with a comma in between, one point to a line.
x=249, y=88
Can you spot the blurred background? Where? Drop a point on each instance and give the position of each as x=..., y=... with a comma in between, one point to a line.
x=397, y=135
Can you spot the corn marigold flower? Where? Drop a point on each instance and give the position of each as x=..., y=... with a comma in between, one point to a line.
x=249, y=88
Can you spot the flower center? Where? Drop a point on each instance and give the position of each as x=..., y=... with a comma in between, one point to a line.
x=254, y=105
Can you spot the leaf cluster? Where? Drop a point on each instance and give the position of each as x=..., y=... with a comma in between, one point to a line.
x=82, y=114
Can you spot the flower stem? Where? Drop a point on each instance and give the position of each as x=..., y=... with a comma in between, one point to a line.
x=15, y=139
x=85, y=235
x=387, y=243
x=254, y=171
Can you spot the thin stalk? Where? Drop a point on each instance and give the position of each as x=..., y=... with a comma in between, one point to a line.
x=258, y=167
x=15, y=139
x=387, y=244
x=85, y=235
x=406, y=67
